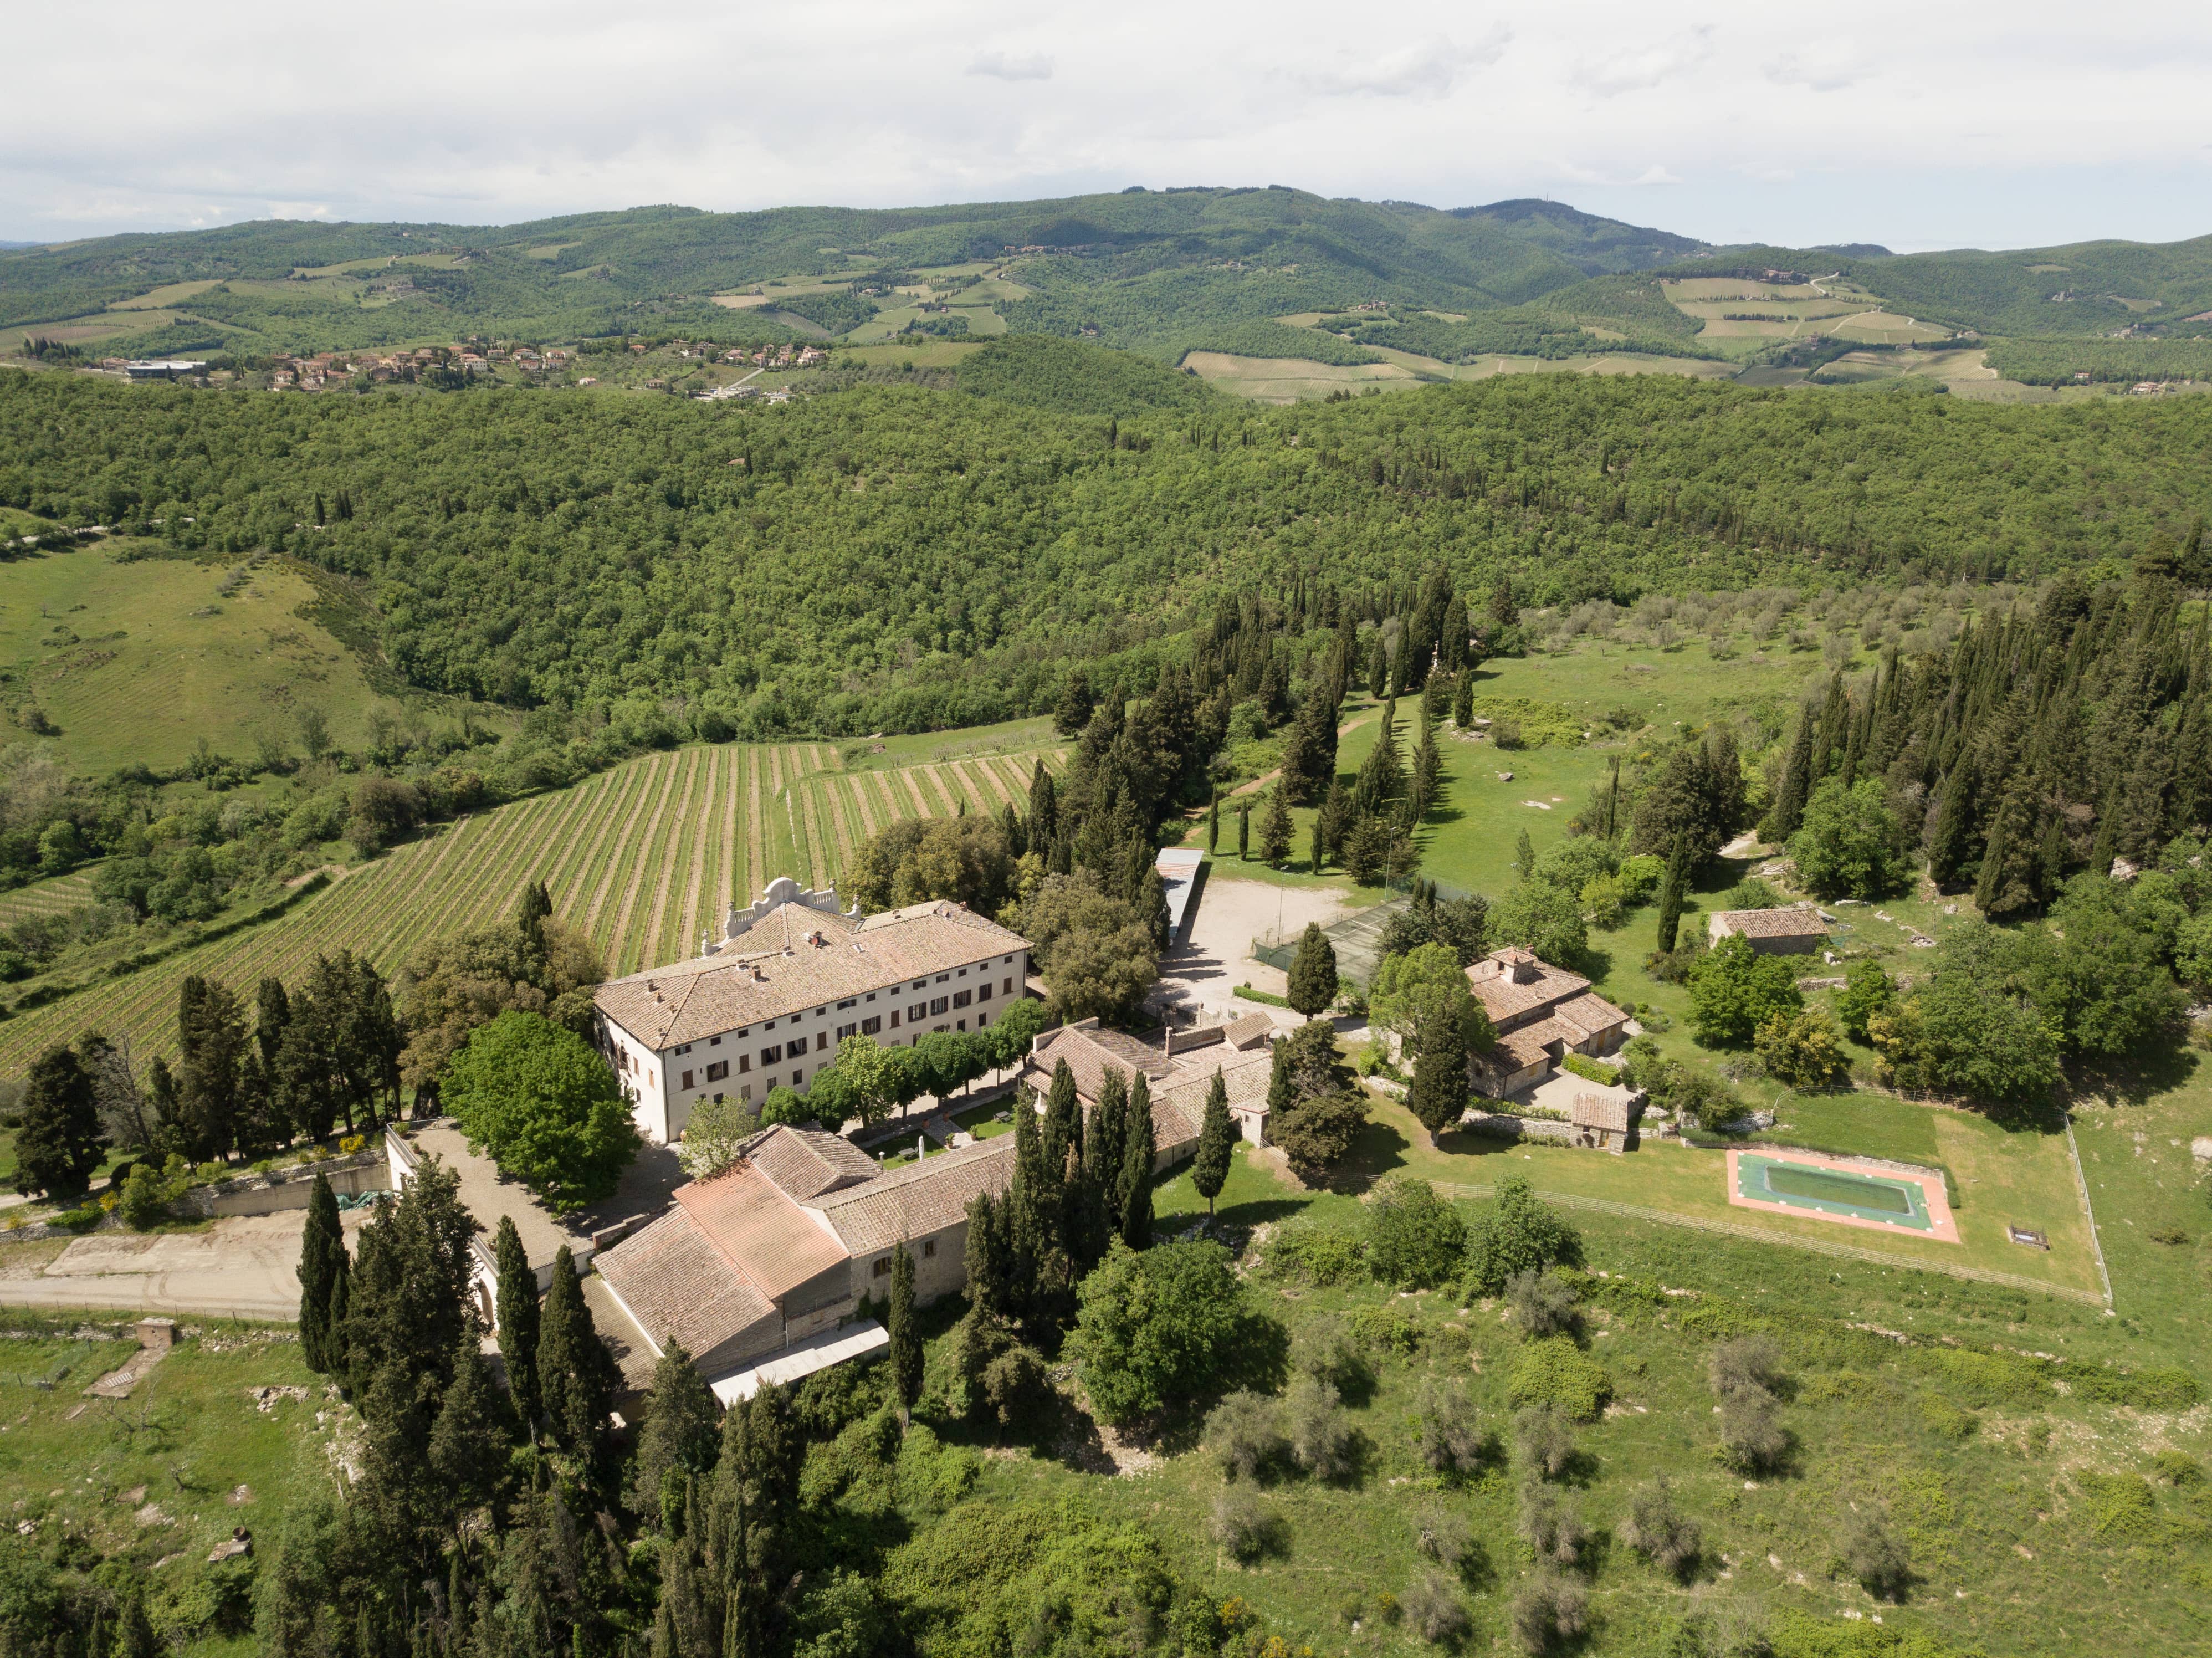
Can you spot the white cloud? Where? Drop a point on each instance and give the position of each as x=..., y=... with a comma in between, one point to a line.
x=1657, y=175
x=1425, y=71
x=2093, y=125
x=1004, y=66
x=1652, y=66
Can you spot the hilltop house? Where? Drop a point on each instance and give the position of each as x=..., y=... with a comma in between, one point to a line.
x=1540, y=1013
x=1797, y=931
x=1178, y=1070
x=790, y=979
x=767, y=1261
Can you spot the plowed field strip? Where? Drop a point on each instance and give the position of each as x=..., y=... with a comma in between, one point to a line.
x=826, y=832
x=775, y=776
x=911, y=786
x=567, y=870
x=622, y=945
x=674, y=865
x=626, y=836
x=707, y=848
x=985, y=791
x=863, y=804
x=947, y=791
x=730, y=884
x=583, y=863
x=756, y=826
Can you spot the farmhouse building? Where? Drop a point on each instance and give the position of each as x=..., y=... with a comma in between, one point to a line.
x=1797, y=931
x=773, y=1255
x=1178, y=1070
x=791, y=979
x=1540, y=1013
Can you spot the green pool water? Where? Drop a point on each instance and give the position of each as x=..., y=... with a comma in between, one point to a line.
x=1828, y=1185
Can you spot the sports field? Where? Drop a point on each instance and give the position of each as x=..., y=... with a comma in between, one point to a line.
x=644, y=858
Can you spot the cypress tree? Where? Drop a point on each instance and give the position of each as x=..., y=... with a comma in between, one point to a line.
x=1378, y=670
x=518, y=1314
x=1138, y=1151
x=679, y=1438
x=1243, y=828
x=1217, y=1141
x=1029, y=1226
x=1213, y=824
x=990, y=1281
x=1313, y=980
x=59, y=1140
x=1103, y=1150
x=468, y=1440
x=1438, y=1097
x=906, y=1338
x=1612, y=800
x=1275, y=832
x=322, y=1251
x=337, y=1339
x=1463, y=702
x=1317, y=843
x=1044, y=806
x=575, y=1373
x=1671, y=891
x=1524, y=855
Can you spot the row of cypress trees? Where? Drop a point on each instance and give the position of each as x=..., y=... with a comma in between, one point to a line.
x=2049, y=739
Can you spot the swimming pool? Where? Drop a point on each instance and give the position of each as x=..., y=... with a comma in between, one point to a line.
x=1889, y=1201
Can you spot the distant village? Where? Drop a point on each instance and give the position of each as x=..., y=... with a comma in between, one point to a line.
x=328, y=370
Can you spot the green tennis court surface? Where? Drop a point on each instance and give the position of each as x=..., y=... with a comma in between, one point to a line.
x=1894, y=1202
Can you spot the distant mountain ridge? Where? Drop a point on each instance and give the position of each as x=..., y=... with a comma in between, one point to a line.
x=1158, y=272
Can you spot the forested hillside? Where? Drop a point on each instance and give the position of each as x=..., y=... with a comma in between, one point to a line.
x=1156, y=269
x=896, y=559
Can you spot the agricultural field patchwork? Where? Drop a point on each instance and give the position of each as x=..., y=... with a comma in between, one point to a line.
x=645, y=857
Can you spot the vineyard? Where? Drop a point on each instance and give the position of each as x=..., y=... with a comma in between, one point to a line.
x=644, y=858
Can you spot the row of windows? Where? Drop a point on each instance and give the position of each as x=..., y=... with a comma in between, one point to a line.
x=873, y=1025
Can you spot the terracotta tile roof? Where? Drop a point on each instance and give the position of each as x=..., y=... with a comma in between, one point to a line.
x=1590, y=1013
x=679, y=1286
x=1601, y=1108
x=804, y=1163
x=1504, y=1001
x=1792, y=923
x=1252, y=1028
x=774, y=969
x=922, y=1198
x=763, y=1234
x=1179, y=1106
x=1089, y=1053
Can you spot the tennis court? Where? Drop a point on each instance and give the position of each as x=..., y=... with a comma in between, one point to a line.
x=1843, y=1190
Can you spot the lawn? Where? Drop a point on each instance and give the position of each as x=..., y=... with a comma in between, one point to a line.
x=136, y=660
x=2001, y=1502
x=161, y=1477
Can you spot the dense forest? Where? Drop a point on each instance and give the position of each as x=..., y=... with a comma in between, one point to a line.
x=893, y=559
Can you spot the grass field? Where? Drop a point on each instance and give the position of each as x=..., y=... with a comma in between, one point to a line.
x=1292, y=379
x=2003, y=1503
x=644, y=858
x=157, y=1479
x=136, y=661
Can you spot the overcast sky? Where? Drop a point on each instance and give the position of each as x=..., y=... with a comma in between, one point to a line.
x=1959, y=122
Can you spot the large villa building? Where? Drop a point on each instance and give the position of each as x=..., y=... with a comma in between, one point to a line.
x=766, y=1004
x=1541, y=1012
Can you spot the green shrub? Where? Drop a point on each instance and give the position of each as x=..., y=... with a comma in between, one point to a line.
x=1387, y=1329
x=1519, y=1233
x=1945, y=1418
x=1555, y=1371
x=1590, y=1070
x=1415, y=1240
x=77, y=1220
x=1321, y=1251
x=1984, y=1379
x=2165, y=1388
x=2119, y=1507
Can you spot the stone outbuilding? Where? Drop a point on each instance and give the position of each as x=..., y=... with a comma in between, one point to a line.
x=1178, y=1066
x=1795, y=931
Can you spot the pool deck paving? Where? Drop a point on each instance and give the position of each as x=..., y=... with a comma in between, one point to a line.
x=1939, y=1224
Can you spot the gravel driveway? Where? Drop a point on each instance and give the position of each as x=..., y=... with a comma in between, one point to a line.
x=243, y=1264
